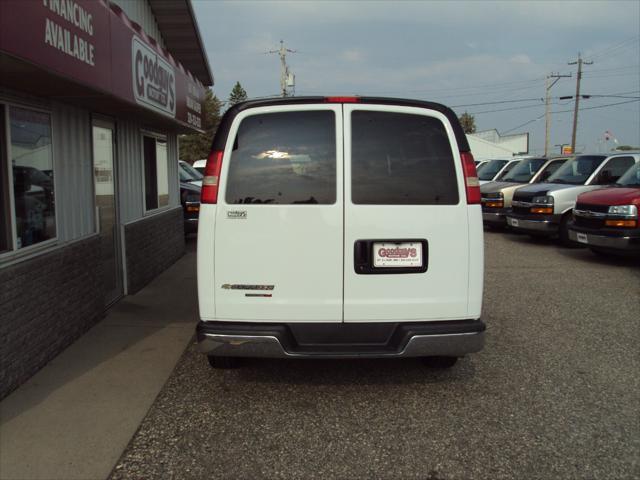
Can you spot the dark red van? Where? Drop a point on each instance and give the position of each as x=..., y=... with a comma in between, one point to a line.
x=606, y=220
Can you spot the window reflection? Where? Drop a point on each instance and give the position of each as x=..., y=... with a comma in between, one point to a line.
x=32, y=165
x=284, y=158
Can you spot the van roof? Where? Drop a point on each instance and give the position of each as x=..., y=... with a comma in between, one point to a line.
x=227, y=119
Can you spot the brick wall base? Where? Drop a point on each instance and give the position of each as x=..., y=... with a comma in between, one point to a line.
x=46, y=303
x=152, y=245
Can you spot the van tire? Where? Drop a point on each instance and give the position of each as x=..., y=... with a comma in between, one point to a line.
x=223, y=362
x=439, y=362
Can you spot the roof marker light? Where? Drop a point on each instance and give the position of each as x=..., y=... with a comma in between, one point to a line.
x=342, y=99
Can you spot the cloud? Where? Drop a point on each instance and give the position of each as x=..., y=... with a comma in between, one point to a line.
x=352, y=55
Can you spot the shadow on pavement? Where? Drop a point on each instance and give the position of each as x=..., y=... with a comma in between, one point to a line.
x=347, y=372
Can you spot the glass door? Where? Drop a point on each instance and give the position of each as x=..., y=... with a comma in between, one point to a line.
x=106, y=208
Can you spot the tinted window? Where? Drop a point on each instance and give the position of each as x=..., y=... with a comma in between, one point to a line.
x=490, y=169
x=550, y=169
x=284, y=158
x=614, y=169
x=191, y=172
x=524, y=170
x=631, y=178
x=506, y=170
x=578, y=170
x=401, y=159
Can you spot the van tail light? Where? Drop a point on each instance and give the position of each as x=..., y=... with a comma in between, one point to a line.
x=470, y=178
x=211, y=180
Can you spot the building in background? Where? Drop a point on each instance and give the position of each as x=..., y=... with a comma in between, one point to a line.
x=93, y=95
x=490, y=144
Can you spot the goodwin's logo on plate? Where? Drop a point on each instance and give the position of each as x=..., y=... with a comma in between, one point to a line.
x=398, y=252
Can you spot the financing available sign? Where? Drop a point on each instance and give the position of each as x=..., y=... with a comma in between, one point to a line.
x=154, y=80
x=94, y=44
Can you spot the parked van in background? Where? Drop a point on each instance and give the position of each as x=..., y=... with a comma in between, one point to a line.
x=494, y=170
x=606, y=220
x=340, y=227
x=496, y=196
x=199, y=165
x=546, y=208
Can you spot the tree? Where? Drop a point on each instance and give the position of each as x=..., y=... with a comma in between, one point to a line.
x=468, y=123
x=196, y=146
x=238, y=94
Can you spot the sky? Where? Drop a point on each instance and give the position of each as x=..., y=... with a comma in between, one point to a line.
x=457, y=53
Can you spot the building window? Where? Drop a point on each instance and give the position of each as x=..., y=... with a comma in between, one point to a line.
x=28, y=202
x=156, y=172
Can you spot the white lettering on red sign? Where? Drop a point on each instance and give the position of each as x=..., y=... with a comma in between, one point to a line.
x=69, y=43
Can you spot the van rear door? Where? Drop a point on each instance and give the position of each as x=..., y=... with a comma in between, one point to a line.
x=406, y=218
x=279, y=218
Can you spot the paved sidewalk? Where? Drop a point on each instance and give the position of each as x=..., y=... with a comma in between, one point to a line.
x=75, y=417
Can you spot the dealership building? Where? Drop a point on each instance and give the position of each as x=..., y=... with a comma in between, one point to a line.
x=93, y=96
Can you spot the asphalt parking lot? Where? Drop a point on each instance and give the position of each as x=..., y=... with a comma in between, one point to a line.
x=554, y=394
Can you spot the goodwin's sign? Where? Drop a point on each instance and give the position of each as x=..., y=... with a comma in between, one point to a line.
x=154, y=80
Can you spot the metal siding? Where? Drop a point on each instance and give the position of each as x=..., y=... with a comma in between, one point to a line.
x=73, y=174
x=140, y=12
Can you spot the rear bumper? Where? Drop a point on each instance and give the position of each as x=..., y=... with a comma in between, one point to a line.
x=340, y=340
x=538, y=224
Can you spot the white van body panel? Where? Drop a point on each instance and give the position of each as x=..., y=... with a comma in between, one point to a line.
x=296, y=249
x=440, y=293
x=205, y=261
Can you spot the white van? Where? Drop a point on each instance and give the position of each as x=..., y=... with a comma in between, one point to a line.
x=338, y=227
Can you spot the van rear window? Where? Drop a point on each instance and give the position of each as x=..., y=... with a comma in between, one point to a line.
x=401, y=159
x=284, y=158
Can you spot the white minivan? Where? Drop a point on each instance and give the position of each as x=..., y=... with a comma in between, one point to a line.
x=340, y=227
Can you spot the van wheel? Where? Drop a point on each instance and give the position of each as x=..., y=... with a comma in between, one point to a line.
x=439, y=362
x=223, y=362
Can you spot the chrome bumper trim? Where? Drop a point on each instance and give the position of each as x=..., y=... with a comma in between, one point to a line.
x=268, y=346
x=538, y=225
x=493, y=217
x=621, y=243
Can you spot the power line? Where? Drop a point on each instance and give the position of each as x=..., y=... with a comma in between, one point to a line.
x=608, y=50
x=570, y=110
x=523, y=125
x=498, y=102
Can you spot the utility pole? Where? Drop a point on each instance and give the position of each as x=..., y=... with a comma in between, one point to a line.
x=286, y=77
x=547, y=117
x=580, y=62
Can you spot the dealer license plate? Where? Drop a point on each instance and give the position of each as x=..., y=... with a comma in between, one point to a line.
x=386, y=255
x=514, y=222
x=582, y=237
